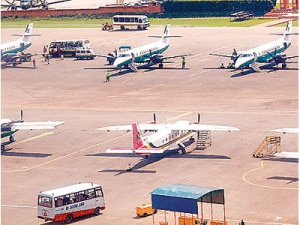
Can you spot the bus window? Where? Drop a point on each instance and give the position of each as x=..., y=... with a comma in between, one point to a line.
x=127, y=20
x=140, y=20
x=121, y=19
x=59, y=201
x=90, y=193
x=99, y=192
x=45, y=201
x=116, y=19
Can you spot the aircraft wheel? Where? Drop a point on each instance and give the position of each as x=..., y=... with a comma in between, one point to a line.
x=160, y=66
x=283, y=65
x=2, y=147
x=11, y=139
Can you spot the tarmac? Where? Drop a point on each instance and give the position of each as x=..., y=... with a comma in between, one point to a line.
x=257, y=190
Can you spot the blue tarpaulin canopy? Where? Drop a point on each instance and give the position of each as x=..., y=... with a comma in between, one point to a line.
x=184, y=198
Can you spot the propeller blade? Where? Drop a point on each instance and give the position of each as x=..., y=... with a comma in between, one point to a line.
x=154, y=118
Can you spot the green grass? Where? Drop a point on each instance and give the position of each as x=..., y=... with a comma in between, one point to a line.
x=97, y=23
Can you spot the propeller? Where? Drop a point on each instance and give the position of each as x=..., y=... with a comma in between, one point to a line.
x=198, y=122
x=12, y=5
x=44, y=4
x=154, y=118
x=234, y=55
x=21, y=114
x=277, y=58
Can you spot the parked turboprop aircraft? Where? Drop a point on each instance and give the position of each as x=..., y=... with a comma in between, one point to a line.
x=10, y=50
x=166, y=136
x=27, y=4
x=148, y=55
x=267, y=53
x=9, y=127
x=288, y=154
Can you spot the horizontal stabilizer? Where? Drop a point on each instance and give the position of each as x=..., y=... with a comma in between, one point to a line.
x=36, y=125
x=287, y=130
x=293, y=155
x=145, y=151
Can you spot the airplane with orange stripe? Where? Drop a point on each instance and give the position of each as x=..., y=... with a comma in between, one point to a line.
x=165, y=137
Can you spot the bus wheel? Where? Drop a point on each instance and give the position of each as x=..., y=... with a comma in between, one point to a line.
x=97, y=211
x=69, y=218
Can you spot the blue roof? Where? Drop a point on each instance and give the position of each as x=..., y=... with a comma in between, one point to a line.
x=184, y=198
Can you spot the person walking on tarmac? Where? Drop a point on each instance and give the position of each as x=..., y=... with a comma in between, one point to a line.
x=107, y=76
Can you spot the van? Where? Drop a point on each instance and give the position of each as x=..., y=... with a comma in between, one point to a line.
x=85, y=54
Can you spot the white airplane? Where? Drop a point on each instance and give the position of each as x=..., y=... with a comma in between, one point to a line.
x=10, y=50
x=267, y=53
x=165, y=136
x=9, y=127
x=149, y=54
x=287, y=154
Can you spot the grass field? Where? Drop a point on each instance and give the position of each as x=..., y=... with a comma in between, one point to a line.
x=97, y=23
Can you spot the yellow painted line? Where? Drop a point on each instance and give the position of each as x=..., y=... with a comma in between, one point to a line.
x=32, y=138
x=259, y=185
x=62, y=157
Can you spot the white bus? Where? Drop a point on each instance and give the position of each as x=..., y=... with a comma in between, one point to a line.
x=67, y=48
x=139, y=21
x=66, y=203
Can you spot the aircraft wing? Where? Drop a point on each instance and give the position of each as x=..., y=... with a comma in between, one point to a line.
x=292, y=57
x=175, y=56
x=36, y=125
x=221, y=55
x=55, y=2
x=287, y=130
x=148, y=127
x=198, y=127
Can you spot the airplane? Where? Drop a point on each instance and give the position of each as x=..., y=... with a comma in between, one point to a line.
x=149, y=54
x=27, y=4
x=294, y=155
x=9, y=127
x=10, y=50
x=166, y=137
x=271, y=52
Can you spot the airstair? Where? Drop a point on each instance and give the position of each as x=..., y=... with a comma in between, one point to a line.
x=203, y=139
x=269, y=146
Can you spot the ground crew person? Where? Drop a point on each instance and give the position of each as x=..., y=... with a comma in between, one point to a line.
x=33, y=62
x=183, y=62
x=107, y=76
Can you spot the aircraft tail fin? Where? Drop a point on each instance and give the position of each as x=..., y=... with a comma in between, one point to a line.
x=288, y=31
x=166, y=34
x=27, y=33
x=137, y=137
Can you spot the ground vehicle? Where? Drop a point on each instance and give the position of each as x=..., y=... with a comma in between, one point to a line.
x=139, y=21
x=85, y=53
x=67, y=48
x=145, y=210
x=66, y=203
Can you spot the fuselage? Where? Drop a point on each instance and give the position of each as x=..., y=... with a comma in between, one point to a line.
x=26, y=4
x=167, y=138
x=261, y=54
x=140, y=54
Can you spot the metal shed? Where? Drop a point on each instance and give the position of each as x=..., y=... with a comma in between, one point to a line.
x=185, y=198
